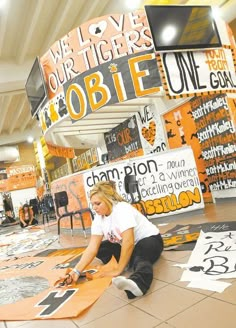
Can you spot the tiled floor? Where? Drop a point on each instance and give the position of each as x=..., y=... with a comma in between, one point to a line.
x=169, y=303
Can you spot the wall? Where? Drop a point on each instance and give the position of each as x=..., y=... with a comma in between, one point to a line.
x=27, y=155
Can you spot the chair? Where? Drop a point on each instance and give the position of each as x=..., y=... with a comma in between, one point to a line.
x=132, y=188
x=61, y=201
x=35, y=205
x=46, y=207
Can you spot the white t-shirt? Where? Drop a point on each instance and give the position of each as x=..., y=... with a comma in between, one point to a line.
x=123, y=217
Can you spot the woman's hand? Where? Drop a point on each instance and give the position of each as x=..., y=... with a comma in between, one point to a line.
x=70, y=278
x=74, y=276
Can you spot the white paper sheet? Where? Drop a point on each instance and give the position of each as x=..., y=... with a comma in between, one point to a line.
x=213, y=285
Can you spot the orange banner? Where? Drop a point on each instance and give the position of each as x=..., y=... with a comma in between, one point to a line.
x=36, y=297
x=100, y=40
x=61, y=151
x=181, y=130
x=21, y=177
x=3, y=179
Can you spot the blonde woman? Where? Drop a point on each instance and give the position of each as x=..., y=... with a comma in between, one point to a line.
x=121, y=231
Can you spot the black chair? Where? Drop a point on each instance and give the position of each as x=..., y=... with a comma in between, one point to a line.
x=35, y=206
x=132, y=188
x=61, y=201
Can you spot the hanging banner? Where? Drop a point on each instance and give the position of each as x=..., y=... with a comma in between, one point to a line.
x=216, y=133
x=198, y=72
x=122, y=79
x=111, y=43
x=151, y=130
x=181, y=130
x=123, y=141
x=98, y=41
x=3, y=179
x=61, y=151
x=21, y=177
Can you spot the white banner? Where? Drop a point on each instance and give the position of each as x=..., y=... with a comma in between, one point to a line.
x=213, y=258
x=168, y=182
x=197, y=72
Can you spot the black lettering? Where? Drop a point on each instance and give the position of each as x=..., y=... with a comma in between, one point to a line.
x=217, y=268
x=54, y=301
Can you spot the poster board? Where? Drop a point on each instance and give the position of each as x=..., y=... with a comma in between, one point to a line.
x=127, y=68
x=217, y=137
x=123, y=141
x=195, y=73
x=151, y=130
x=181, y=130
x=168, y=181
x=20, y=177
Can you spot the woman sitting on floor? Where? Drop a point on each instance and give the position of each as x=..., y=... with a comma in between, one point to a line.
x=26, y=216
x=129, y=236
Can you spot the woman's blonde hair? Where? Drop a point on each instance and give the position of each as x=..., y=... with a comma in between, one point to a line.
x=106, y=190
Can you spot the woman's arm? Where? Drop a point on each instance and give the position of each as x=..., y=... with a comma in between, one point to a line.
x=22, y=217
x=88, y=255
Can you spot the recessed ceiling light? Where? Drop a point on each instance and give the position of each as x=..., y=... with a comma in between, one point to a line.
x=216, y=13
x=30, y=139
x=134, y=4
x=2, y=3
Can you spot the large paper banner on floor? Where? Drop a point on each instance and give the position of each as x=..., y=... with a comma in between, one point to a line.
x=188, y=234
x=213, y=258
x=15, y=244
x=27, y=290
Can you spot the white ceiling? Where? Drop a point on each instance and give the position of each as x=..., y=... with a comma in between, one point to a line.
x=27, y=29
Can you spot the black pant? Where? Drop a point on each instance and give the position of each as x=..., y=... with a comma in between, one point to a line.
x=145, y=253
x=34, y=222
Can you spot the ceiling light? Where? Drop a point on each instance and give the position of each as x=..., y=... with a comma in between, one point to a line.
x=168, y=34
x=134, y=4
x=30, y=139
x=2, y=3
x=216, y=13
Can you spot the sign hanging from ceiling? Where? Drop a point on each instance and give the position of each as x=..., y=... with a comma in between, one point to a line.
x=107, y=60
x=111, y=59
x=60, y=151
x=98, y=41
x=198, y=72
x=124, y=79
x=216, y=134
